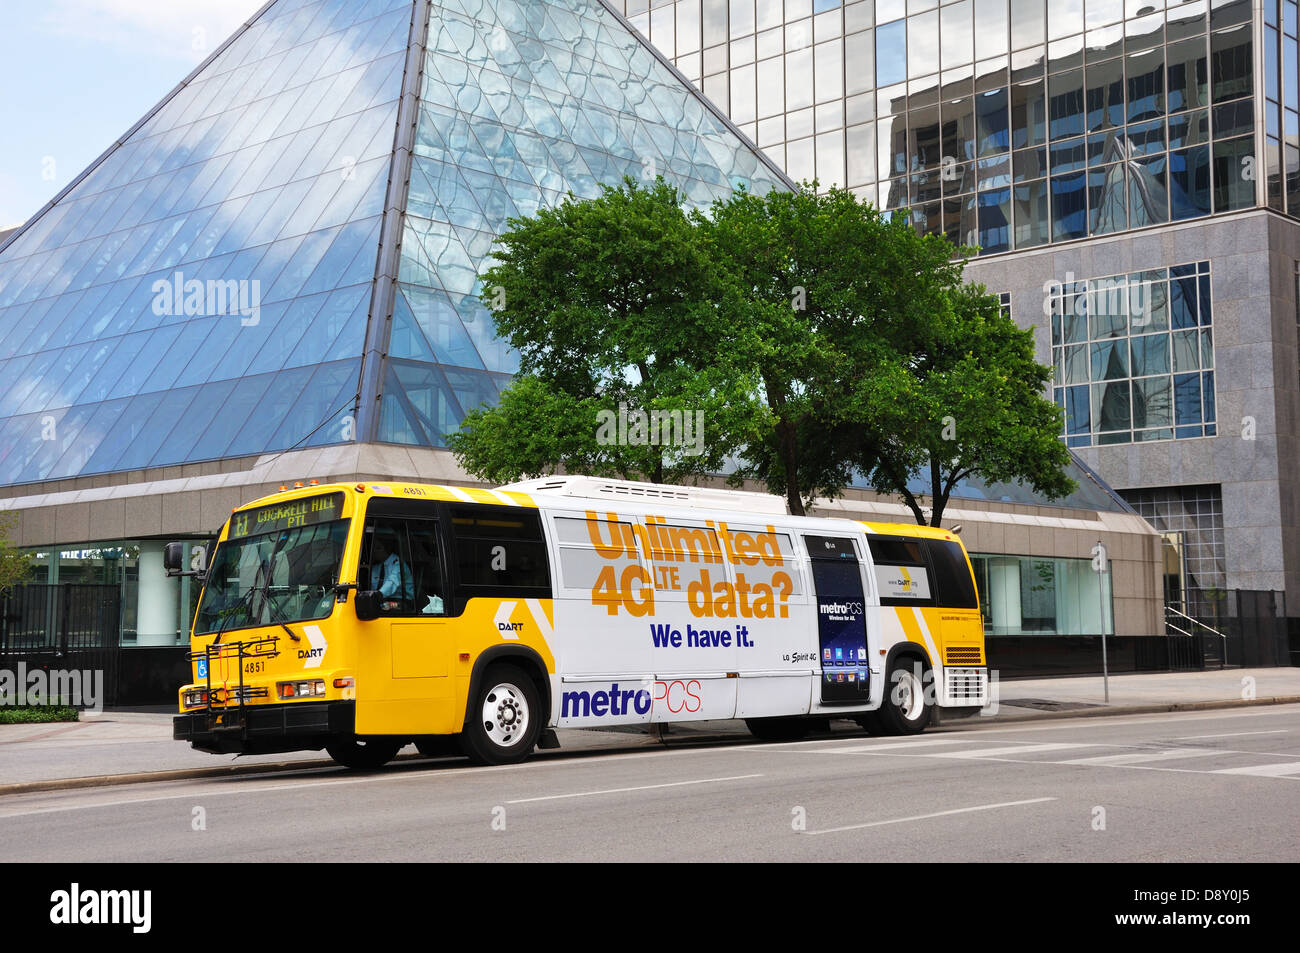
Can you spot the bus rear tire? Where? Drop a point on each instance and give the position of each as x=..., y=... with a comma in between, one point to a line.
x=904, y=710
x=363, y=754
x=779, y=729
x=505, y=720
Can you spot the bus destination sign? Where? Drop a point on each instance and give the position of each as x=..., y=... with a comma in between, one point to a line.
x=282, y=516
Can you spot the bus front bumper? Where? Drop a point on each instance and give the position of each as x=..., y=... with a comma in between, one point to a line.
x=265, y=729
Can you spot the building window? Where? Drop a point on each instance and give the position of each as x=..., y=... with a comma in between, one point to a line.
x=1029, y=595
x=1194, y=514
x=1012, y=124
x=1133, y=356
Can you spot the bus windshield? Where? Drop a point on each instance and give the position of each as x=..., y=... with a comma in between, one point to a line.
x=286, y=575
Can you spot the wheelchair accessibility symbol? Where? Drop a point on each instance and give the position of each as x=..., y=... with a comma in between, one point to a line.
x=202, y=668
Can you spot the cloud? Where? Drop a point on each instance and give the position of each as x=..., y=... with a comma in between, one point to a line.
x=187, y=30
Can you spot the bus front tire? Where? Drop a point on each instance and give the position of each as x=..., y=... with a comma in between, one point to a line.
x=363, y=754
x=904, y=710
x=505, y=720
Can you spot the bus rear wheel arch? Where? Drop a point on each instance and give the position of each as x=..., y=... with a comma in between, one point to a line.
x=505, y=716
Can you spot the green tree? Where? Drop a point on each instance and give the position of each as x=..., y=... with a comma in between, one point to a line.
x=818, y=338
x=967, y=401
x=613, y=307
x=828, y=296
x=15, y=567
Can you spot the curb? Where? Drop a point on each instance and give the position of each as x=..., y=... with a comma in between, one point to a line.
x=238, y=770
x=1102, y=711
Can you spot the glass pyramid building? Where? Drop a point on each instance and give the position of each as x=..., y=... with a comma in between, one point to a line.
x=285, y=252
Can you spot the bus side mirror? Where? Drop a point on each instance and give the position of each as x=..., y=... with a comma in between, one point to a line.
x=368, y=603
x=174, y=559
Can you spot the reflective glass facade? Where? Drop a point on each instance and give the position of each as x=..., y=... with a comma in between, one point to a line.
x=1133, y=356
x=1001, y=123
x=522, y=103
x=207, y=289
x=1025, y=595
x=1195, y=514
x=155, y=609
x=256, y=190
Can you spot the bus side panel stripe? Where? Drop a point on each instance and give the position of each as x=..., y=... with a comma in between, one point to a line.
x=925, y=633
x=913, y=632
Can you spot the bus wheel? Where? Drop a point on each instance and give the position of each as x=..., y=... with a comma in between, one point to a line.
x=904, y=710
x=779, y=729
x=363, y=753
x=505, y=720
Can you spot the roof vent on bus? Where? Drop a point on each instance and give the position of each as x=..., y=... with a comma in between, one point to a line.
x=595, y=488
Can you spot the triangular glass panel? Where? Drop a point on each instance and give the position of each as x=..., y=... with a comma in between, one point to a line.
x=522, y=103
x=200, y=253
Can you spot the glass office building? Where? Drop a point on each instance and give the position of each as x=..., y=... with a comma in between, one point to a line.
x=273, y=276
x=1129, y=171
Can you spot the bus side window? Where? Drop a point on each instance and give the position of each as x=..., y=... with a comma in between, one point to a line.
x=386, y=565
x=902, y=571
x=501, y=548
x=400, y=558
x=426, y=567
x=956, y=589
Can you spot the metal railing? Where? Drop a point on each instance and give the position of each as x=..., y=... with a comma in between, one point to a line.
x=1198, y=651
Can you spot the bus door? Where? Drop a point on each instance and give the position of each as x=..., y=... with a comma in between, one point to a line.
x=841, y=619
x=403, y=658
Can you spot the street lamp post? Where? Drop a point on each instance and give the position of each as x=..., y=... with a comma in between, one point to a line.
x=1099, y=566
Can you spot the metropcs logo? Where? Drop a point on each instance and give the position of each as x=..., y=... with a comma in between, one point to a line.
x=840, y=608
x=615, y=702
x=676, y=696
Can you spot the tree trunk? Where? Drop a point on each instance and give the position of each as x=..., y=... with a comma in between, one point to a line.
x=790, y=462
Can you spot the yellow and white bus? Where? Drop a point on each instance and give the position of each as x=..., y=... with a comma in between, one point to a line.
x=361, y=618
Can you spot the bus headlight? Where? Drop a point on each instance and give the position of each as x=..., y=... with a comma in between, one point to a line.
x=307, y=689
x=196, y=699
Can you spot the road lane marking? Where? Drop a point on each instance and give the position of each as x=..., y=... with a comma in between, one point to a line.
x=888, y=746
x=1235, y=734
x=1014, y=749
x=643, y=787
x=1121, y=721
x=1139, y=757
x=1266, y=770
x=926, y=817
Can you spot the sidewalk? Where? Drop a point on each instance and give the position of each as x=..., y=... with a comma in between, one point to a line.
x=122, y=743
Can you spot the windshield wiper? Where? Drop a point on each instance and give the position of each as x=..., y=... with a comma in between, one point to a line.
x=245, y=602
x=265, y=590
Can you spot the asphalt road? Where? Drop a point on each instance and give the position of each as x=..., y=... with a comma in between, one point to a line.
x=1201, y=786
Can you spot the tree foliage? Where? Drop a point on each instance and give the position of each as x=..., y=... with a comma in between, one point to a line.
x=966, y=402
x=15, y=567
x=829, y=293
x=612, y=305
x=816, y=339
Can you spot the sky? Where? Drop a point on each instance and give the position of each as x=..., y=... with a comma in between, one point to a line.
x=77, y=74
